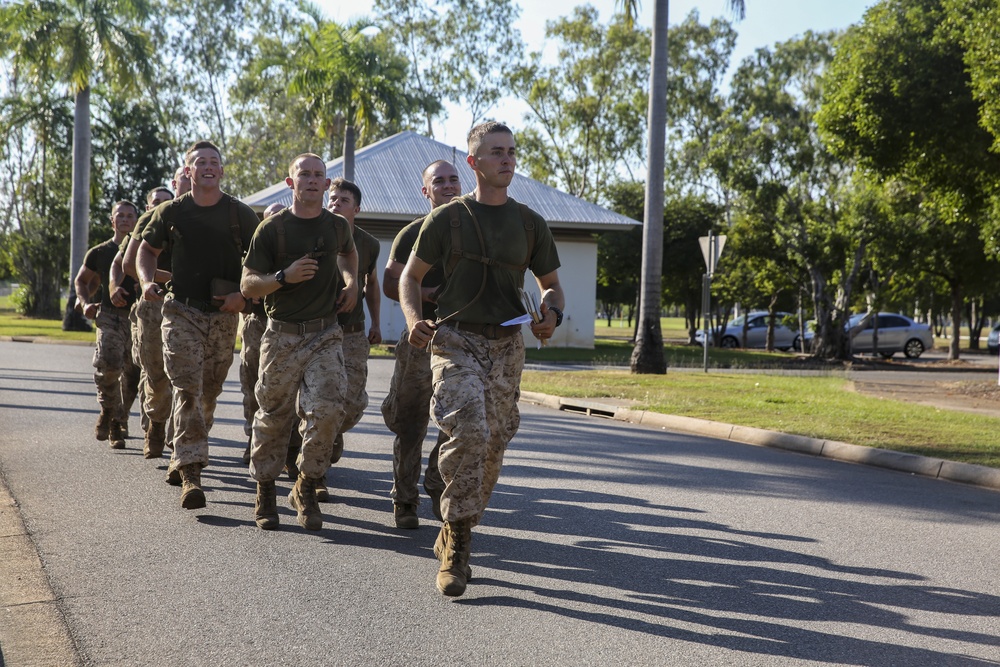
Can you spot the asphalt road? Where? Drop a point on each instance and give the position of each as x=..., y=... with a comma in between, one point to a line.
x=605, y=544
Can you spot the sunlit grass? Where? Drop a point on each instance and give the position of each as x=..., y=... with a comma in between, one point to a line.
x=818, y=407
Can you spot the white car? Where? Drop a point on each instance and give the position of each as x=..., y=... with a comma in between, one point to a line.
x=784, y=338
x=896, y=333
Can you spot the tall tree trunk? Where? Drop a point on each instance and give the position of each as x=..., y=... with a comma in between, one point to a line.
x=647, y=356
x=80, y=204
x=956, y=321
x=349, y=153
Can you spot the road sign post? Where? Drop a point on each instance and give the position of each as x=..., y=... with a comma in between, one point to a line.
x=711, y=248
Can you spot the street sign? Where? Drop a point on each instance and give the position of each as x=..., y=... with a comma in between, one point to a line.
x=711, y=248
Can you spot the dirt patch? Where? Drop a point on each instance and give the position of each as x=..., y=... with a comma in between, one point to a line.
x=975, y=396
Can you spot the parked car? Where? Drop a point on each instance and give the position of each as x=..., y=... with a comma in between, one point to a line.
x=896, y=333
x=784, y=338
x=993, y=340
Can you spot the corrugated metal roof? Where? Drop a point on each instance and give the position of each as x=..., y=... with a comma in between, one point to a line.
x=388, y=173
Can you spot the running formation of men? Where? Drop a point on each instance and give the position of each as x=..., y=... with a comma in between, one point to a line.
x=171, y=289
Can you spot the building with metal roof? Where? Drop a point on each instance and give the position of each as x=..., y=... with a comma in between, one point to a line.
x=388, y=173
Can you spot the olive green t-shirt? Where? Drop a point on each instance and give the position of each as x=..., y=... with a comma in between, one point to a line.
x=326, y=236
x=368, y=249
x=505, y=240
x=400, y=252
x=203, y=244
x=99, y=259
x=163, y=259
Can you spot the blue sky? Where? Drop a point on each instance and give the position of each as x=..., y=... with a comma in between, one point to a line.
x=767, y=22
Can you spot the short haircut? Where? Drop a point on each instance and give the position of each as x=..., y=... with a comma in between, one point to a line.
x=152, y=193
x=344, y=184
x=431, y=167
x=303, y=156
x=198, y=145
x=477, y=133
x=125, y=202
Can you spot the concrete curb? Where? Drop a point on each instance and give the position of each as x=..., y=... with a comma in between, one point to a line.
x=33, y=630
x=47, y=341
x=966, y=473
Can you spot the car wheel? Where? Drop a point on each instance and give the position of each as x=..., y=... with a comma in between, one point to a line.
x=913, y=348
x=797, y=344
x=784, y=349
x=730, y=343
x=886, y=355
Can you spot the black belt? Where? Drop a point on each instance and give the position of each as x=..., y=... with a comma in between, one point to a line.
x=310, y=326
x=203, y=306
x=115, y=310
x=490, y=331
x=353, y=328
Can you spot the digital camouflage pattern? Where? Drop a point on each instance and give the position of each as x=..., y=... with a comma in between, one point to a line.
x=477, y=383
x=116, y=377
x=356, y=348
x=197, y=354
x=310, y=367
x=406, y=410
x=252, y=327
x=156, y=389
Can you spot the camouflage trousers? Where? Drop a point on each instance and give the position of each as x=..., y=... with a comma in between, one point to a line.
x=133, y=319
x=356, y=348
x=116, y=377
x=197, y=354
x=301, y=377
x=477, y=382
x=406, y=409
x=156, y=388
x=251, y=330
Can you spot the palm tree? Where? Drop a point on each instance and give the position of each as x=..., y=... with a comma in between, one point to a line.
x=647, y=356
x=353, y=81
x=77, y=40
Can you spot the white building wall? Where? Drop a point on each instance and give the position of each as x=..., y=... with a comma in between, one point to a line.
x=578, y=276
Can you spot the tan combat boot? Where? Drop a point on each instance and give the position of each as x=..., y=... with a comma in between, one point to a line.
x=452, y=576
x=322, y=493
x=439, y=545
x=116, y=435
x=192, y=497
x=266, y=507
x=303, y=499
x=156, y=438
x=103, y=427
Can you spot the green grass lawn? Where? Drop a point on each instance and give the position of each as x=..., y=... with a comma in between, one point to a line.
x=819, y=407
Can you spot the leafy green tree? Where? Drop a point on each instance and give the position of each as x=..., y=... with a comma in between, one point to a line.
x=36, y=129
x=586, y=121
x=793, y=193
x=76, y=42
x=463, y=51
x=900, y=101
x=353, y=82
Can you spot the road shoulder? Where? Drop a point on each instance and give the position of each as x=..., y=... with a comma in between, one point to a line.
x=964, y=473
x=32, y=628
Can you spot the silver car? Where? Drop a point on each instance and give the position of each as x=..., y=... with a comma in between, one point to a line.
x=896, y=333
x=784, y=338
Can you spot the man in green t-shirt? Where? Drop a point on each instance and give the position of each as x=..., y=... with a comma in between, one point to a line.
x=406, y=408
x=147, y=354
x=345, y=200
x=207, y=231
x=116, y=377
x=476, y=358
x=297, y=261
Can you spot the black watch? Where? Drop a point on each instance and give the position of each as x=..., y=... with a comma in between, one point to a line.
x=279, y=275
x=558, y=313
